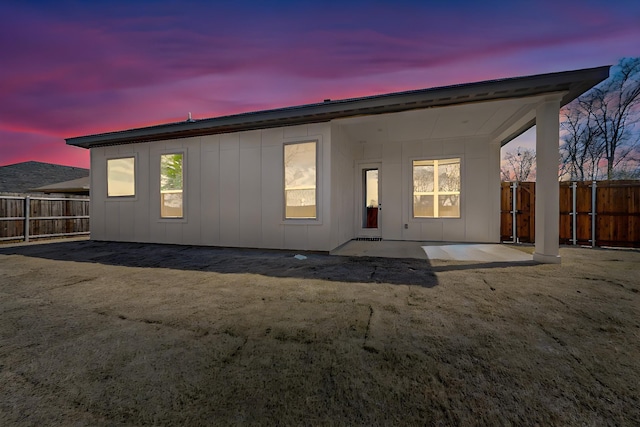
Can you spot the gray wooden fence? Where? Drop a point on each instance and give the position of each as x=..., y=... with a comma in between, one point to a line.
x=25, y=217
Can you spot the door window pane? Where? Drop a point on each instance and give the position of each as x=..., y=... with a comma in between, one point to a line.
x=371, y=198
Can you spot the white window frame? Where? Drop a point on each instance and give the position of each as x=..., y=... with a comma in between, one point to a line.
x=304, y=220
x=135, y=178
x=435, y=193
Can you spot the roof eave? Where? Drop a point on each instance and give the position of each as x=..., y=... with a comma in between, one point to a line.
x=574, y=83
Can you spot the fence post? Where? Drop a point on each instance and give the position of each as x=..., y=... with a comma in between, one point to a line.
x=594, y=186
x=27, y=214
x=574, y=213
x=514, y=230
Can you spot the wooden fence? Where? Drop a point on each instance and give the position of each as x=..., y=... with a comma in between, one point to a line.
x=26, y=217
x=594, y=213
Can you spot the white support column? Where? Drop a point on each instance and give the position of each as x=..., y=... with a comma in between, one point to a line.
x=547, y=187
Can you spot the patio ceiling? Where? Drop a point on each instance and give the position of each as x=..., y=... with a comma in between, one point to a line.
x=501, y=120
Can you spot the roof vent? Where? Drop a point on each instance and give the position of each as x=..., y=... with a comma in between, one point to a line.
x=189, y=119
x=327, y=100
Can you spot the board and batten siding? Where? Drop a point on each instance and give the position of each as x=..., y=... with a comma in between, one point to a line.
x=343, y=197
x=479, y=195
x=233, y=192
x=480, y=187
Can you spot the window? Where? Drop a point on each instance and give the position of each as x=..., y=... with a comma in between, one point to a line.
x=171, y=176
x=121, y=177
x=436, y=188
x=300, y=180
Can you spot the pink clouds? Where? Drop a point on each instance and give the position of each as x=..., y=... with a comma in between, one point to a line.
x=87, y=69
x=24, y=146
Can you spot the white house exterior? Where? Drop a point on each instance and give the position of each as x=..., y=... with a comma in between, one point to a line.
x=304, y=177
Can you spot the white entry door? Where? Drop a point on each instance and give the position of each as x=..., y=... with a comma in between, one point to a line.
x=369, y=210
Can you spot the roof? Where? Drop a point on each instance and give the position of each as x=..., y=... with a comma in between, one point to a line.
x=571, y=83
x=75, y=186
x=25, y=176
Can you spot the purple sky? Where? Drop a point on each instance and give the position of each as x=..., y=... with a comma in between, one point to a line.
x=70, y=68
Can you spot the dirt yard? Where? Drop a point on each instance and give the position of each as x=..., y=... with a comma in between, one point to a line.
x=128, y=334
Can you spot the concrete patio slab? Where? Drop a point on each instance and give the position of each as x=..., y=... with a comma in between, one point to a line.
x=475, y=252
x=433, y=250
x=382, y=248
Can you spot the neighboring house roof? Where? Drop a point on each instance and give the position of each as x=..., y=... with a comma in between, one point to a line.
x=24, y=177
x=571, y=83
x=75, y=186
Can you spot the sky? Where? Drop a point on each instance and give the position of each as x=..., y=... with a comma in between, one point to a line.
x=73, y=68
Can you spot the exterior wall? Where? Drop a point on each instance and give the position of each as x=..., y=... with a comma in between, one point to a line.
x=342, y=188
x=479, y=216
x=233, y=192
x=480, y=188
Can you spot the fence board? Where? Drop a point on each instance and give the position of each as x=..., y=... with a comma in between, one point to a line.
x=526, y=207
x=618, y=215
x=583, y=209
x=566, y=213
x=506, y=202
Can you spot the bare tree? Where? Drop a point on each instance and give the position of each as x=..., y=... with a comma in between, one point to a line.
x=519, y=165
x=629, y=169
x=613, y=108
x=580, y=149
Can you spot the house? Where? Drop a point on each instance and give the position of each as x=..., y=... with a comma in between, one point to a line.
x=30, y=176
x=78, y=186
x=420, y=165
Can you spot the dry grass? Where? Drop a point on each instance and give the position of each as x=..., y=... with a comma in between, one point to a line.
x=92, y=334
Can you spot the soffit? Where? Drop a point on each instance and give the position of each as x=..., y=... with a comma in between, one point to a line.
x=465, y=120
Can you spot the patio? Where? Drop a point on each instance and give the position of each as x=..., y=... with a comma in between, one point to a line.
x=484, y=252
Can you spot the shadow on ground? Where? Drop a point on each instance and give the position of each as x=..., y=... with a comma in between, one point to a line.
x=274, y=263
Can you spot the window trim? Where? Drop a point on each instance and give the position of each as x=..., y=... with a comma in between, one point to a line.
x=306, y=220
x=133, y=196
x=182, y=218
x=436, y=193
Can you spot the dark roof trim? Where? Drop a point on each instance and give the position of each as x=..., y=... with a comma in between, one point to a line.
x=574, y=83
